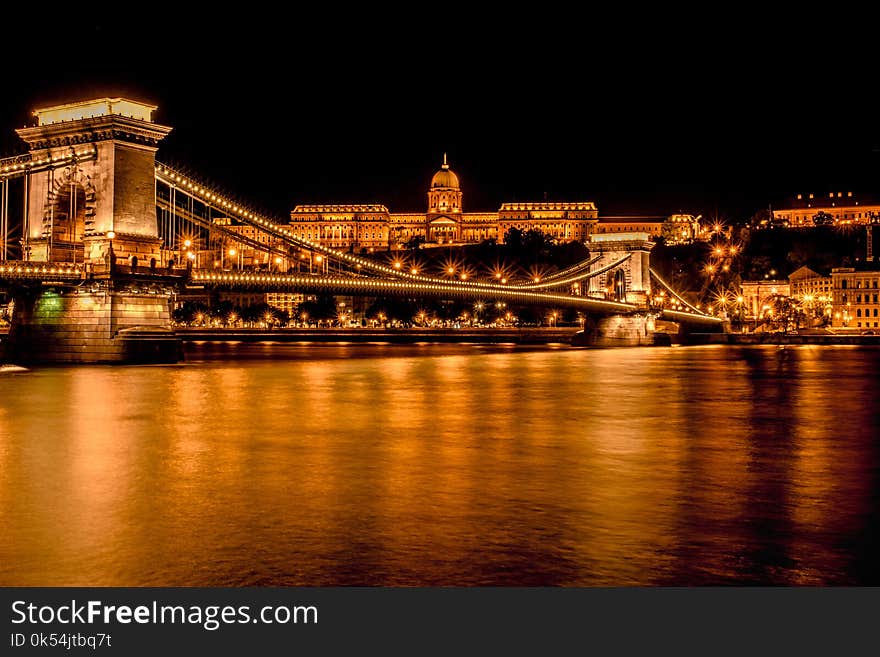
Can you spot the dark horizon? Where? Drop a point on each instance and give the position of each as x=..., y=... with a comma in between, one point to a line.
x=347, y=118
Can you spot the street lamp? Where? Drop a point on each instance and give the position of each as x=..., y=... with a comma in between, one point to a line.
x=111, y=256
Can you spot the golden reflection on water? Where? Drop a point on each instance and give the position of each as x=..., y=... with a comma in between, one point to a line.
x=444, y=465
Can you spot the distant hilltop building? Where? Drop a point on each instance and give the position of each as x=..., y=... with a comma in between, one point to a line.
x=681, y=228
x=833, y=209
x=365, y=227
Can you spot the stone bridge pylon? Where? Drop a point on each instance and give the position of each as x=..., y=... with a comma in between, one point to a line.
x=96, y=207
x=630, y=281
x=108, y=187
x=626, y=257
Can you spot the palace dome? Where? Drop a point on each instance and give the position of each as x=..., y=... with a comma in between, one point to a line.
x=445, y=177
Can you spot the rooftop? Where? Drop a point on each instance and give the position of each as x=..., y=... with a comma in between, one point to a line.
x=828, y=200
x=88, y=109
x=549, y=205
x=337, y=207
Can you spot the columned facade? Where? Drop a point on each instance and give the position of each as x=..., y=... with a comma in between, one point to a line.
x=366, y=227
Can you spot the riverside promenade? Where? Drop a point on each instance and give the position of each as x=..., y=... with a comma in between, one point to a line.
x=404, y=335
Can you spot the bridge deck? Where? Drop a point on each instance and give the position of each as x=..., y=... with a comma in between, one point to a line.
x=13, y=271
x=396, y=288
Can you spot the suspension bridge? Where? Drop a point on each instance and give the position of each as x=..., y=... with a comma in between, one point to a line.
x=98, y=239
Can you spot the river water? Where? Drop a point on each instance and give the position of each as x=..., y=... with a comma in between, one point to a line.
x=445, y=465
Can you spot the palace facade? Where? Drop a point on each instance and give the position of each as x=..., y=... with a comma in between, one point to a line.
x=368, y=227
x=835, y=209
x=444, y=221
x=856, y=298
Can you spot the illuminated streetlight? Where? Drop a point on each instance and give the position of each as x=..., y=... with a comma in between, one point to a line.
x=110, y=254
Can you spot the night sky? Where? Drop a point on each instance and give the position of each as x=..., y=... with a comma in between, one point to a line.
x=646, y=118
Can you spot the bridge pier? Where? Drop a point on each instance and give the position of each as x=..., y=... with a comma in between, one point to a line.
x=618, y=331
x=105, y=325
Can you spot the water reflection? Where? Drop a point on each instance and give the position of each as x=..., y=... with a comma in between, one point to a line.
x=446, y=464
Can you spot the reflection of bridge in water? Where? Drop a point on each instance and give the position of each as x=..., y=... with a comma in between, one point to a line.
x=106, y=237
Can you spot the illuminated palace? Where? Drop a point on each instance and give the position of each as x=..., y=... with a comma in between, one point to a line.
x=836, y=209
x=373, y=227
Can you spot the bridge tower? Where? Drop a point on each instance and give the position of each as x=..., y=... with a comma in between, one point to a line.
x=96, y=209
x=628, y=282
x=631, y=280
x=108, y=188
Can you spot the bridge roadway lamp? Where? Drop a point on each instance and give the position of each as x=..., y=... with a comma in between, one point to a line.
x=111, y=256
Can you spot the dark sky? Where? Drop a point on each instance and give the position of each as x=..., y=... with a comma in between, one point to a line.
x=724, y=115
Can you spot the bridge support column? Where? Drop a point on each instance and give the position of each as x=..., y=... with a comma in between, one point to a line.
x=104, y=326
x=619, y=331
